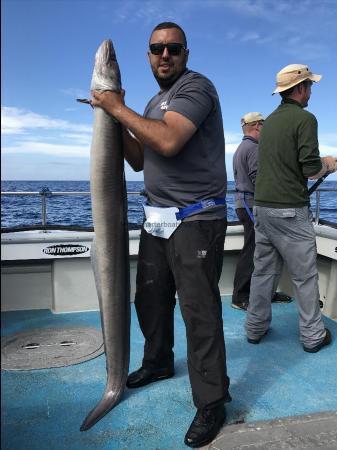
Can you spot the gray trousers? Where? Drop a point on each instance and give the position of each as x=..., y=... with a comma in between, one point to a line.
x=288, y=235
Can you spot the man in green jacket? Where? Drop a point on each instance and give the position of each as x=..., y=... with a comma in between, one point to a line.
x=288, y=156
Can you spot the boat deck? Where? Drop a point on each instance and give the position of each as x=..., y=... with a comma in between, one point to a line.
x=43, y=409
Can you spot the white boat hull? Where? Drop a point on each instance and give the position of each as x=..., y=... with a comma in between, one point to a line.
x=52, y=270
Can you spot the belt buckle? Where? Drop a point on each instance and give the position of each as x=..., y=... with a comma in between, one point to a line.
x=207, y=203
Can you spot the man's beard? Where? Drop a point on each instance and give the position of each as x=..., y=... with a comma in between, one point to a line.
x=167, y=82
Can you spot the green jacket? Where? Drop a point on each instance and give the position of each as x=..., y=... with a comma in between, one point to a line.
x=288, y=155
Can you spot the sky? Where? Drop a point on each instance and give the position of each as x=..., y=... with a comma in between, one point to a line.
x=48, y=50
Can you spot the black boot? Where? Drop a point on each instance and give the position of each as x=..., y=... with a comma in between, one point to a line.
x=205, y=426
x=326, y=341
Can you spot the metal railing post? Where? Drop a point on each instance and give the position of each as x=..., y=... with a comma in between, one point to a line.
x=318, y=207
x=44, y=193
x=44, y=210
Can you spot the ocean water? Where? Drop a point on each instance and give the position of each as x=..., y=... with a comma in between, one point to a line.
x=66, y=210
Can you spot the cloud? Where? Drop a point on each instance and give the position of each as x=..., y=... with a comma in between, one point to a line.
x=329, y=138
x=144, y=12
x=19, y=121
x=250, y=36
x=46, y=148
x=34, y=134
x=26, y=132
x=249, y=7
x=326, y=150
x=275, y=11
x=262, y=22
x=78, y=137
x=75, y=92
x=232, y=138
x=275, y=24
x=328, y=144
x=231, y=148
x=301, y=46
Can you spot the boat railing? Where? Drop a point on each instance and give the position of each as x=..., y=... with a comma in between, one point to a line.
x=318, y=201
x=45, y=193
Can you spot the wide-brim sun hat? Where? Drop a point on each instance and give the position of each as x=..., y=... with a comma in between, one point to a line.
x=251, y=117
x=294, y=74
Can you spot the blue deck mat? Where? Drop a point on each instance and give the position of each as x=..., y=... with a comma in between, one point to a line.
x=43, y=409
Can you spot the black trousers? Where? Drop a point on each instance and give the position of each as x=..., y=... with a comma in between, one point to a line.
x=245, y=265
x=190, y=262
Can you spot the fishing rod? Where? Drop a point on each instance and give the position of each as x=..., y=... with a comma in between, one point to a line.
x=318, y=182
x=310, y=191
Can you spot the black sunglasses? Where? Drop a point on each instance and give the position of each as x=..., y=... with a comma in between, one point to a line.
x=173, y=48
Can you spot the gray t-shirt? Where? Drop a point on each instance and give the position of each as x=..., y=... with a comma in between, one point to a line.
x=244, y=169
x=198, y=171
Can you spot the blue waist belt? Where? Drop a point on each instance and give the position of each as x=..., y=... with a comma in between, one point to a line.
x=249, y=211
x=197, y=207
